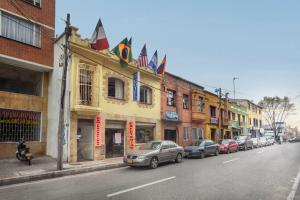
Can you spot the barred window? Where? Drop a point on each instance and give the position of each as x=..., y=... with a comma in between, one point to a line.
x=85, y=86
x=16, y=125
x=20, y=30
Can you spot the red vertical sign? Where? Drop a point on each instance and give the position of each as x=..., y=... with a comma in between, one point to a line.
x=131, y=134
x=98, y=131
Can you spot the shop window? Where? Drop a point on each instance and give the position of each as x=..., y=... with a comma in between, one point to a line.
x=19, y=80
x=185, y=101
x=171, y=97
x=16, y=125
x=21, y=30
x=197, y=133
x=212, y=111
x=185, y=133
x=145, y=95
x=115, y=88
x=85, y=86
x=143, y=134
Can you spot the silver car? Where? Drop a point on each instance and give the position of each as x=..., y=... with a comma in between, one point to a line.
x=153, y=153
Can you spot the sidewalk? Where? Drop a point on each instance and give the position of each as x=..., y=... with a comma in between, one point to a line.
x=13, y=171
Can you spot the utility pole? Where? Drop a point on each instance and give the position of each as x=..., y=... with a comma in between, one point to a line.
x=219, y=91
x=234, y=78
x=61, y=126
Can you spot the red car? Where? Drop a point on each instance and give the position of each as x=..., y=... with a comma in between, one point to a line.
x=229, y=146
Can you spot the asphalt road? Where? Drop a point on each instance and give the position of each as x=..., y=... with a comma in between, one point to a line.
x=264, y=173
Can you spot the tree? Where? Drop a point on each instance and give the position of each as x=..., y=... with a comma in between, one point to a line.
x=276, y=110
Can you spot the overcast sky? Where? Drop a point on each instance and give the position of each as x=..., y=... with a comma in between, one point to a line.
x=207, y=42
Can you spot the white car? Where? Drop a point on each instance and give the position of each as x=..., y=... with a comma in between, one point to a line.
x=263, y=141
x=256, y=142
x=271, y=140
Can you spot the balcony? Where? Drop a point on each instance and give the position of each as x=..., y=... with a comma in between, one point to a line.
x=214, y=120
x=198, y=116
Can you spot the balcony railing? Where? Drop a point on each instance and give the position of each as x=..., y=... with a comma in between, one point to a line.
x=87, y=97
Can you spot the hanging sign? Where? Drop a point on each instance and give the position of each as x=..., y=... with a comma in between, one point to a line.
x=118, y=138
x=136, y=86
x=131, y=134
x=98, y=131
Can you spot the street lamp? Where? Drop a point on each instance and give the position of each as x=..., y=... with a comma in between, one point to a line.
x=234, y=78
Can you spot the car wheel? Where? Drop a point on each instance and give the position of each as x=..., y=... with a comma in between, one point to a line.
x=178, y=158
x=252, y=147
x=245, y=147
x=202, y=155
x=154, y=163
x=228, y=151
x=217, y=152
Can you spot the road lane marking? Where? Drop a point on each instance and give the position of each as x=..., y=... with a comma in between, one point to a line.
x=139, y=187
x=228, y=161
x=294, y=188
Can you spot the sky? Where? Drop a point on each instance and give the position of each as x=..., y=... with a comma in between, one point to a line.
x=207, y=42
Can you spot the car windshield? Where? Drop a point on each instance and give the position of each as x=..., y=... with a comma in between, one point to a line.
x=224, y=142
x=200, y=143
x=242, y=137
x=152, y=145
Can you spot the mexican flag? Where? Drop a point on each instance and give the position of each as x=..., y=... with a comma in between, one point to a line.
x=99, y=40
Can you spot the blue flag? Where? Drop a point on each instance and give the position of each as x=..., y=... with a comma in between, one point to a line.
x=153, y=62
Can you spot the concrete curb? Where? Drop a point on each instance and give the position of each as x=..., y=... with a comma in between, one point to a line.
x=56, y=174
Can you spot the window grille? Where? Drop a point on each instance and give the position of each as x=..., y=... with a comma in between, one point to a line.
x=85, y=86
x=16, y=125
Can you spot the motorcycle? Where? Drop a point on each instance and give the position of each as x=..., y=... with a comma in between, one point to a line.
x=23, y=152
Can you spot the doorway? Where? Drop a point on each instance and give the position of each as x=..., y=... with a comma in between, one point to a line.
x=170, y=135
x=213, y=134
x=85, y=130
x=114, y=140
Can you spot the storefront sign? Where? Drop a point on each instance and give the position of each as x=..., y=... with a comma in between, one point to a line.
x=171, y=115
x=98, y=131
x=136, y=86
x=118, y=138
x=131, y=134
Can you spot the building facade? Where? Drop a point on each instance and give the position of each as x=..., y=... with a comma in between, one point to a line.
x=26, y=58
x=213, y=113
x=182, y=110
x=102, y=118
x=239, y=119
x=254, y=112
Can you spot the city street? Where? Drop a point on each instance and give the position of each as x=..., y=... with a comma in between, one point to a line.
x=263, y=173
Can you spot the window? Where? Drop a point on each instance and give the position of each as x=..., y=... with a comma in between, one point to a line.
x=171, y=97
x=244, y=118
x=185, y=133
x=16, y=124
x=185, y=101
x=143, y=134
x=260, y=123
x=34, y=2
x=212, y=111
x=115, y=88
x=145, y=95
x=200, y=104
x=233, y=116
x=172, y=144
x=20, y=30
x=197, y=133
x=19, y=80
x=85, y=86
x=250, y=121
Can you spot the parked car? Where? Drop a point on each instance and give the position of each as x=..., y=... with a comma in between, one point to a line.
x=256, y=142
x=228, y=146
x=294, y=139
x=153, y=153
x=245, y=142
x=201, y=149
x=263, y=141
x=270, y=140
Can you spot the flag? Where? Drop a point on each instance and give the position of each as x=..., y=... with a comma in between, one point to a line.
x=136, y=86
x=123, y=51
x=129, y=44
x=99, y=40
x=162, y=67
x=142, y=60
x=153, y=62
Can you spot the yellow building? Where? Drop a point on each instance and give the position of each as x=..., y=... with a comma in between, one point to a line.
x=213, y=117
x=103, y=119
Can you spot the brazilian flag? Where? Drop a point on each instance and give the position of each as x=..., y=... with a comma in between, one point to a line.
x=123, y=51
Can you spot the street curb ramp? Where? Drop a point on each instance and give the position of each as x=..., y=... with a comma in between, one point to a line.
x=56, y=174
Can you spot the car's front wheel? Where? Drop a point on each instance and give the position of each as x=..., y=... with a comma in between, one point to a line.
x=217, y=152
x=154, y=163
x=245, y=147
x=202, y=155
x=178, y=158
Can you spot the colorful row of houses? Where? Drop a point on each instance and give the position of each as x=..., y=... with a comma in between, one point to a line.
x=103, y=119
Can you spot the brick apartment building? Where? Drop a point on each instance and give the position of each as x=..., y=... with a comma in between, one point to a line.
x=182, y=108
x=26, y=58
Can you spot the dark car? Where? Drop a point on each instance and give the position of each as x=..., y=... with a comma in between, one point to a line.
x=244, y=142
x=294, y=139
x=201, y=149
x=228, y=146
